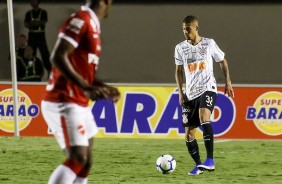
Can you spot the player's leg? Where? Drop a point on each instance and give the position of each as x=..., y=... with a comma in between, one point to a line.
x=208, y=139
x=91, y=131
x=67, y=172
x=190, y=121
x=193, y=149
x=82, y=176
x=207, y=103
x=192, y=145
x=67, y=124
x=52, y=116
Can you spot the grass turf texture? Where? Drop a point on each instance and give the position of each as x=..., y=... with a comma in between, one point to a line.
x=30, y=160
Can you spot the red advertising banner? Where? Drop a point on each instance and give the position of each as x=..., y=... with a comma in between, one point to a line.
x=258, y=113
x=154, y=112
x=31, y=122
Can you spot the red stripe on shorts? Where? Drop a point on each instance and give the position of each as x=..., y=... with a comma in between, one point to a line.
x=65, y=131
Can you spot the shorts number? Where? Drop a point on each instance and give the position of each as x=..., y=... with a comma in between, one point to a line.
x=209, y=100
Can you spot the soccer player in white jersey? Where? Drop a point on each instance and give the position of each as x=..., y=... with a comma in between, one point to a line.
x=194, y=57
x=72, y=83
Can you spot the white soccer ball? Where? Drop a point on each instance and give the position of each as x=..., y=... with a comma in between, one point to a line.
x=166, y=164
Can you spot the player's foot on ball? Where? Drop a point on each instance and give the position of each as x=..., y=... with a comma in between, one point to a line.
x=208, y=165
x=195, y=171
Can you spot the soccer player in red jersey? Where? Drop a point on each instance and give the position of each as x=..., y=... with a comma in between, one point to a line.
x=72, y=83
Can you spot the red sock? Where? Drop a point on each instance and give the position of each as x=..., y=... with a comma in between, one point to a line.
x=74, y=165
x=84, y=172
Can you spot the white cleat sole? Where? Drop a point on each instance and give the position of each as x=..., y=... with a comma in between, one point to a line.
x=198, y=173
x=206, y=168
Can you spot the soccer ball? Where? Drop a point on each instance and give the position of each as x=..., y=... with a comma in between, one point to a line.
x=166, y=164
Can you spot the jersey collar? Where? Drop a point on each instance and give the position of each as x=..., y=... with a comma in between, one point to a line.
x=93, y=16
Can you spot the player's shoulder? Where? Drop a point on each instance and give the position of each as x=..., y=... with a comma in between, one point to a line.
x=84, y=15
x=78, y=19
x=207, y=40
x=181, y=44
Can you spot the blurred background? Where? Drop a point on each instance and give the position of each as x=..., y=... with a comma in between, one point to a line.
x=139, y=37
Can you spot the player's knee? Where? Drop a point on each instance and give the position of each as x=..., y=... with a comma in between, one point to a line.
x=81, y=158
x=189, y=136
x=79, y=154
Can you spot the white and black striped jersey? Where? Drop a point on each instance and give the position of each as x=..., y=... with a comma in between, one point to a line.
x=197, y=61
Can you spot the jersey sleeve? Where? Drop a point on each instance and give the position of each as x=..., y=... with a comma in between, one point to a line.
x=93, y=37
x=216, y=53
x=73, y=30
x=177, y=56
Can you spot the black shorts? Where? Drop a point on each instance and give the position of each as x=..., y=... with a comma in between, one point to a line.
x=190, y=109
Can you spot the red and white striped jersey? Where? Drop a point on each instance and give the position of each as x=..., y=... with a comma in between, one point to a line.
x=82, y=30
x=197, y=61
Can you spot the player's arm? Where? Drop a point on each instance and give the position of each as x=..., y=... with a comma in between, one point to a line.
x=179, y=82
x=98, y=82
x=228, y=85
x=59, y=58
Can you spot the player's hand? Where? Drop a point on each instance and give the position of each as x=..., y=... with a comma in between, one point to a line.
x=181, y=99
x=102, y=92
x=96, y=93
x=114, y=93
x=228, y=89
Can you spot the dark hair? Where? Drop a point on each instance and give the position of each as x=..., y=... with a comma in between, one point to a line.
x=38, y=1
x=189, y=19
x=93, y=3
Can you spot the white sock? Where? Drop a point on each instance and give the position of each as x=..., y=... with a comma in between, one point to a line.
x=62, y=175
x=80, y=180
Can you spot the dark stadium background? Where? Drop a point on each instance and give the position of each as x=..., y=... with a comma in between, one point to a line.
x=165, y=1
x=139, y=37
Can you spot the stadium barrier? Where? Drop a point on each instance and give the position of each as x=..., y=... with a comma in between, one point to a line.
x=153, y=111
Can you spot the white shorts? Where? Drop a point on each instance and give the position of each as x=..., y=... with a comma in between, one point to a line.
x=71, y=124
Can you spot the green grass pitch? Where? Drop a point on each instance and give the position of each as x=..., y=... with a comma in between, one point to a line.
x=30, y=160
